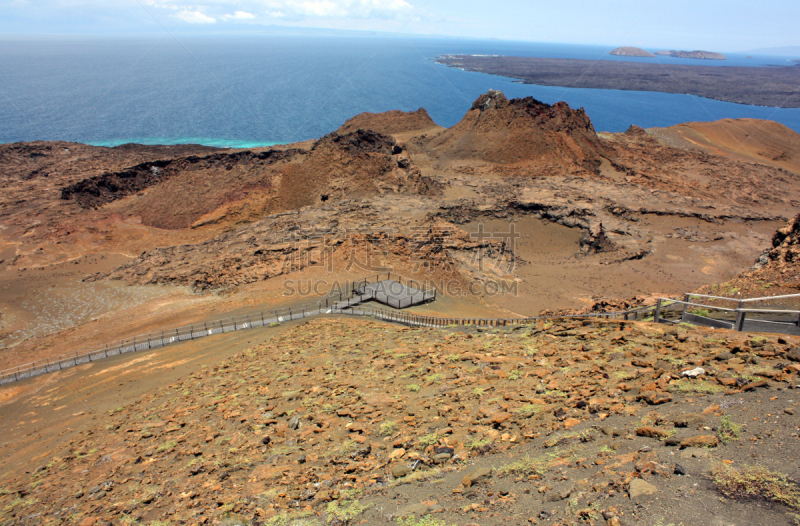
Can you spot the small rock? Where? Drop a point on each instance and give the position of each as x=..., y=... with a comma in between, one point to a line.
x=679, y=470
x=789, y=411
x=793, y=354
x=479, y=475
x=559, y=493
x=694, y=373
x=499, y=418
x=638, y=488
x=441, y=458
x=294, y=422
x=695, y=452
x=611, y=431
x=688, y=420
x=654, y=397
x=266, y=440
x=400, y=471
x=650, y=431
x=323, y=496
x=700, y=441
x=723, y=356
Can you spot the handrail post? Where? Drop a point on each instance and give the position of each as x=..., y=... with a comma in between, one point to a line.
x=657, y=314
x=685, y=305
x=740, y=315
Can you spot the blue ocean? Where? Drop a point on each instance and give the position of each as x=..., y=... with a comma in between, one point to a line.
x=247, y=91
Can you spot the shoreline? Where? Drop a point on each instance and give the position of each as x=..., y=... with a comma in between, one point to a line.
x=774, y=87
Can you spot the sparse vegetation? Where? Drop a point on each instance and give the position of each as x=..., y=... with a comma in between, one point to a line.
x=167, y=445
x=344, y=511
x=757, y=482
x=476, y=443
x=297, y=518
x=387, y=428
x=728, y=431
x=696, y=386
x=525, y=466
x=428, y=440
x=425, y=520
x=528, y=409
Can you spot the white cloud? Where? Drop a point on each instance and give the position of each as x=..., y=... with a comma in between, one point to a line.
x=195, y=17
x=322, y=8
x=339, y=8
x=239, y=15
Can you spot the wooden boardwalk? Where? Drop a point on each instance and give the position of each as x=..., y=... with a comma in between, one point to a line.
x=388, y=292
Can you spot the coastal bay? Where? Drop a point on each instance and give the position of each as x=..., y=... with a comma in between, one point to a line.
x=761, y=86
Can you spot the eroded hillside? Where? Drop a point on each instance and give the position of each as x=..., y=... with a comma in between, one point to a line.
x=350, y=421
x=519, y=193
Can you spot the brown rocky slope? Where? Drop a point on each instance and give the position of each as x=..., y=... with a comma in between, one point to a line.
x=504, y=131
x=390, y=122
x=357, y=164
x=355, y=421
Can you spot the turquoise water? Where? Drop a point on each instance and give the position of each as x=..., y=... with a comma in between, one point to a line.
x=256, y=91
x=205, y=141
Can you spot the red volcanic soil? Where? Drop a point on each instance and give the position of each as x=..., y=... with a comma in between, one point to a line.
x=750, y=140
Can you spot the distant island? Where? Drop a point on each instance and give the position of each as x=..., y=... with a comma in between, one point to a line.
x=705, y=55
x=761, y=86
x=630, y=51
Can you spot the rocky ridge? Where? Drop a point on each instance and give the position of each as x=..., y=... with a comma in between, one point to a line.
x=390, y=122
x=504, y=131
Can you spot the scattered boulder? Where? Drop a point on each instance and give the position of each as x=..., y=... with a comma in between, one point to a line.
x=638, y=488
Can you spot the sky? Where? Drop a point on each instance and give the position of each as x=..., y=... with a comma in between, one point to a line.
x=732, y=25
